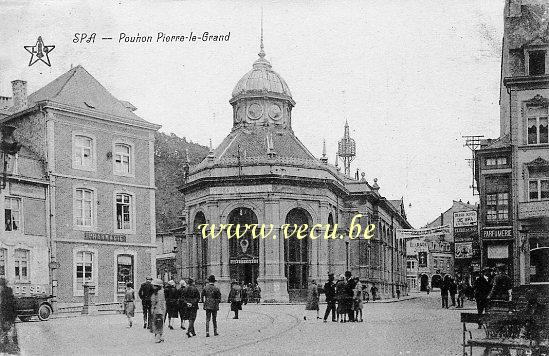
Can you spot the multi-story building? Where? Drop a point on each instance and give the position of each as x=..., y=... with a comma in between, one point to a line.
x=262, y=174
x=513, y=170
x=24, y=208
x=97, y=159
x=430, y=258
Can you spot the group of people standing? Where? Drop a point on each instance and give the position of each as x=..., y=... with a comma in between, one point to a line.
x=492, y=285
x=344, y=298
x=167, y=301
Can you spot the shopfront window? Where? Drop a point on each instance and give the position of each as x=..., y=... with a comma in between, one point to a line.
x=539, y=260
x=124, y=271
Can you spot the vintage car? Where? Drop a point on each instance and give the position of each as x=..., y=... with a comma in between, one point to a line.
x=33, y=300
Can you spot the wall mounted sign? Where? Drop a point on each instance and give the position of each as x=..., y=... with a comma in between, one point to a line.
x=465, y=218
x=104, y=237
x=464, y=249
x=498, y=233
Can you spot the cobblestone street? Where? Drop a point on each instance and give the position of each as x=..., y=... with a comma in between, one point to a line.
x=411, y=327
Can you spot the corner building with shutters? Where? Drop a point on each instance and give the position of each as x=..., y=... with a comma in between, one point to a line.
x=96, y=157
x=262, y=173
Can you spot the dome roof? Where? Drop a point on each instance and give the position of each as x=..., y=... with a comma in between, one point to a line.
x=261, y=79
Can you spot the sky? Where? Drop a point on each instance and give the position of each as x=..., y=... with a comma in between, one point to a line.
x=411, y=77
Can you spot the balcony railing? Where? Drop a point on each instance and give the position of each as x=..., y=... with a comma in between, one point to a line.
x=534, y=209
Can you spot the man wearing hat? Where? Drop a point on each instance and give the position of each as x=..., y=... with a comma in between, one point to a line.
x=330, y=292
x=145, y=292
x=211, y=296
x=502, y=285
x=482, y=289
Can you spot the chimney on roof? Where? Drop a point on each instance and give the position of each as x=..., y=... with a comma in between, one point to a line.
x=19, y=88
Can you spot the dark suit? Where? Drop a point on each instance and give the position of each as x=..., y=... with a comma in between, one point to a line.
x=191, y=296
x=482, y=289
x=330, y=291
x=145, y=293
x=211, y=296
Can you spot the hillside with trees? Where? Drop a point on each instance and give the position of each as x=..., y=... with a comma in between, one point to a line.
x=169, y=165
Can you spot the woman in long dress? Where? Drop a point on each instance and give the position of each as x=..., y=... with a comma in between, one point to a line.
x=172, y=302
x=312, y=299
x=129, y=303
x=183, y=309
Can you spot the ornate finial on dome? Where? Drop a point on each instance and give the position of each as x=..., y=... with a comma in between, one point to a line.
x=211, y=153
x=261, y=48
x=324, y=158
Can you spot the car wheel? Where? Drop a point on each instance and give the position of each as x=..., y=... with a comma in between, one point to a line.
x=24, y=317
x=44, y=312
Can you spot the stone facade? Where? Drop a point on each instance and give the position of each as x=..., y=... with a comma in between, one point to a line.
x=261, y=173
x=99, y=162
x=521, y=184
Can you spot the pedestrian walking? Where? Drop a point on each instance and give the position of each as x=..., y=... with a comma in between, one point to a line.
x=444, y=289
x=330, y=292
x=349, y=294
x=501, y=285
x=373, y=291
x=398, y=292
x=182, y=306
x=257, y=293
x=358, y=304
x=145, y=292
x=428, y=290
x=365, y=294
x=452, y=289
x=482, y=289
x=191, y=297
x=211, y=296
x=172, y=303
x=9, y=344
x=235, y=298
x=312, y=299
x=158, y=310
x=129, y=303
x=461, y=289
x=340, y=297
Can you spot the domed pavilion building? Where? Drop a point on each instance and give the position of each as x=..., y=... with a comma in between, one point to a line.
x=262, y=174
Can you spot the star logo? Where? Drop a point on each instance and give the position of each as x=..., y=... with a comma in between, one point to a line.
x=39, y=52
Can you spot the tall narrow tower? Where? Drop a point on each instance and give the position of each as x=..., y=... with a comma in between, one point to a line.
x=346, y=150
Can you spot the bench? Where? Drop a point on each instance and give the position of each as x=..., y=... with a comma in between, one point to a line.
x=522, y=324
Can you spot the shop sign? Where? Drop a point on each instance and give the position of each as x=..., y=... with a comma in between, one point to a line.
x=244, y=260
x=465, y=229
x=465, y=218
x=419, y=233
x=464, y=249
x=422, y=259
x=498, y=233
x=20, y=290
x=104, y=237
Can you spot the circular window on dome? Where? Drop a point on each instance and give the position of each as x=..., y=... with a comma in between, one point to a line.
x=275, y=112
x=255, y=110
